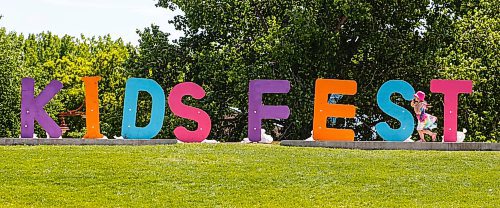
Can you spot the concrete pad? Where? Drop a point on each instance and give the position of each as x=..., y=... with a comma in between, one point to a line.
x=380, y=145
x=15, y=141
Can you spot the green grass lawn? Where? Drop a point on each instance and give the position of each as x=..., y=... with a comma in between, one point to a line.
x=235, y=175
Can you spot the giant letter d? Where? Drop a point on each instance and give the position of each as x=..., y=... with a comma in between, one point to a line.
x=132, y=88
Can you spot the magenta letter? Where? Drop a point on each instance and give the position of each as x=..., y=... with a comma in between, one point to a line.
x=32, y=108
x=451, y=89
x=258, y=111
x=188, y=112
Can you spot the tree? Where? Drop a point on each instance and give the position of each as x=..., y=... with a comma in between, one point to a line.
x=45, y=57
x=228, y=43
x=473, y=55
x=10, y=64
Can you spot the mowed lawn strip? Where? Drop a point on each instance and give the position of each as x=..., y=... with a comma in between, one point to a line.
x=236, y=175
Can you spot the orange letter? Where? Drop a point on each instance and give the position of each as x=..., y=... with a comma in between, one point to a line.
x=92, y=107
x=323, y=110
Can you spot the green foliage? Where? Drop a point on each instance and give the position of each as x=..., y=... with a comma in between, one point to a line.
x=158, y=59
x=228, y=43
x=474, y=55
x=234, y=175
x=46, y=57
x=10, y=92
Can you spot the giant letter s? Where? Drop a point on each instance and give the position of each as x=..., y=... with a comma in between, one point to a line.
x=188, y=112
x=397, y=112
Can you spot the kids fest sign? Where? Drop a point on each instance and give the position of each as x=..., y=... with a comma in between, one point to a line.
x=32, y=108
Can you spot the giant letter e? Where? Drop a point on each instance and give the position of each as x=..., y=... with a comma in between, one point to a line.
x=323, y=110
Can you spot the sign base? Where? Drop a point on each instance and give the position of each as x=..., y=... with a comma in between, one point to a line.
x=67, y=141
x=379, y=145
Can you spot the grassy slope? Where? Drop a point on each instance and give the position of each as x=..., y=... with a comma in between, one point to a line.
x=233, y=175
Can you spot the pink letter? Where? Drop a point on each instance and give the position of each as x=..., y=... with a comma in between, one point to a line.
x=451, y=89
x=188, y=112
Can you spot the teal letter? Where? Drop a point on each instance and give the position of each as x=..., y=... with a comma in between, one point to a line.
x=132, y=89
x=395, y=111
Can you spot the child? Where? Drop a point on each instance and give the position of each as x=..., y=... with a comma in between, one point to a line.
x=426, y=122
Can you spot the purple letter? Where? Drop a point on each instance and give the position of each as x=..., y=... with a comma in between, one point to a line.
x=258, y=111
x=32, y=108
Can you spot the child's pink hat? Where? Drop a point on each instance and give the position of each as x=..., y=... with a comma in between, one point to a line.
x=420, y=95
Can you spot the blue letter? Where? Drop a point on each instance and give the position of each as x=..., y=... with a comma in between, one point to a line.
x=395, y=111
x=129, y=129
